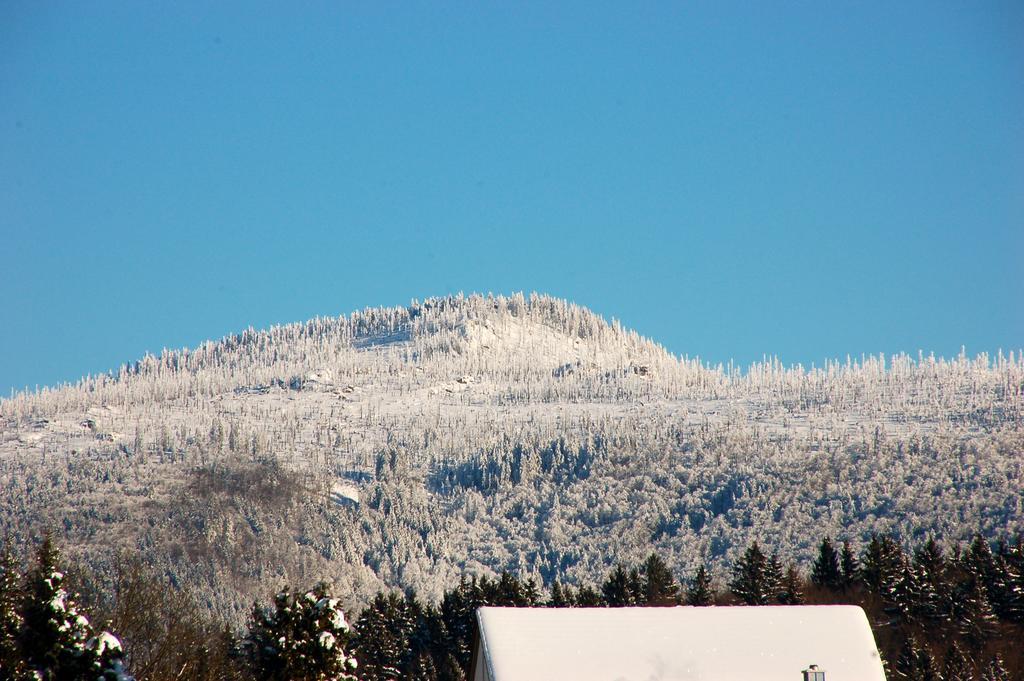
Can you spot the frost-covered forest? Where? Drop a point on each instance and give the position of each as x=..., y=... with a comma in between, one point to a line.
x=407, y=447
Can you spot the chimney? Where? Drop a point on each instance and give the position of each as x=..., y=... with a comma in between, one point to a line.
x=812, y=673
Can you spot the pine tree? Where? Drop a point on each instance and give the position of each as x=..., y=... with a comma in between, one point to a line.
x=660, y=587
x=752, y=579
x=700, y=592
x=825, y=572
x=303, y=638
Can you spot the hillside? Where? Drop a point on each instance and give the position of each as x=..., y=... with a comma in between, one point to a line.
x=406, y=446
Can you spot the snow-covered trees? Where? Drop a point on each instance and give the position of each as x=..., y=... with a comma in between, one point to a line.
x=12, y=663
x=305, y=637
x=44, y=635
x=516, y=433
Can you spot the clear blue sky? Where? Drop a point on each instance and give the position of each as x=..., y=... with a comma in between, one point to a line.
x=731, y=179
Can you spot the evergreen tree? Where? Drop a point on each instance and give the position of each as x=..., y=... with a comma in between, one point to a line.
x=752, y=578
x=57, y=642
x=588, y=597
x=635, y=586
x=423, y=669
x=304, y=638
x=451, y=670
x=12, y=665
x=1008, y=600
x=956, y=666
x=616, y=589
x=458, y=606
x=660, y=587
x=881, y=564
x=826, y=572
x=915, y=663
x=558, y=599
x=848, y=566
x=974, y=616
x=700, y=592
x=996, y=670
x=934, y=597
x=382, y=639
x=775, y=576
x=791, y=592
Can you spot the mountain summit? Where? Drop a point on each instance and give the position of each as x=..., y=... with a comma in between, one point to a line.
x=407, y=446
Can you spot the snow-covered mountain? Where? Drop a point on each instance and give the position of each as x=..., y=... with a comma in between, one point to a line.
x=407, y=446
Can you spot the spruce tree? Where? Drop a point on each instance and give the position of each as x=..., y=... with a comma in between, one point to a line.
x=382, y=639
x=558, y=599
x=616, y=589
x=934, y=596
x=752, y=579
x=826, y=572
x=57, y=642
x=915, y=663
x=881, y=564
x=848, y=566
x=699, y=592
x=588, y=597
x=975, y=619
x=996, y=670
x=12, y=664
x=660, y=587
x=956, y=666
x=1009, y=579
x=303, y=638
x=791, y=592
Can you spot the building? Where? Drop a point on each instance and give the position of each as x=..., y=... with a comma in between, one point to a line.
x=770, y=643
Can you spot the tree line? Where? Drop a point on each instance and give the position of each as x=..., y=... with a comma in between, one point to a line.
x=936, y=615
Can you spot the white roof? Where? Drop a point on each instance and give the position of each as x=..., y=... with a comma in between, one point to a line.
x=771, y=643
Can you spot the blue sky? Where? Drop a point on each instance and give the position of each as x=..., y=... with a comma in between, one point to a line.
x=803, y=180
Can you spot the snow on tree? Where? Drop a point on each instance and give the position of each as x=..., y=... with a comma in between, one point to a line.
x=996, y=670
x=12, y=664
x=57, y=641
x=303, y=638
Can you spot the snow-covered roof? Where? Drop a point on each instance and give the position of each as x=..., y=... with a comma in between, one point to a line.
x=771, y=643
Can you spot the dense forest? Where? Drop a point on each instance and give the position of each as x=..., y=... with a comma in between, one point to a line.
x=404, y=448
x=937, y=615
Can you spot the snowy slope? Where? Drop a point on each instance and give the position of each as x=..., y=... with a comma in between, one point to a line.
x=405, y=446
